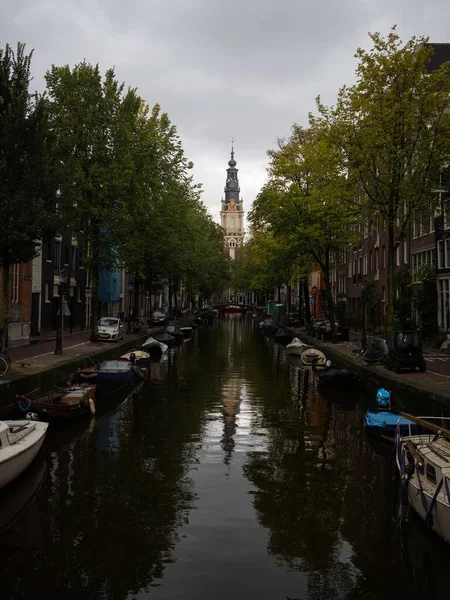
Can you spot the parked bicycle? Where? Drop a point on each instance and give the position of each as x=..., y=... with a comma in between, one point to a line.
x=374, y=352
x=5, y=363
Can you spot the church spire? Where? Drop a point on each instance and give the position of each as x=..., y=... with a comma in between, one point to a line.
x=232, y=183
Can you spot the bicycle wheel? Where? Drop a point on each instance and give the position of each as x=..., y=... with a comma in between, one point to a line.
x=353, y=350
x=4, y=366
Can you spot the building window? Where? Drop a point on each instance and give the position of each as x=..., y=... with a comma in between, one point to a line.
x=447, y=254
x=66, y=256
x=79, y=294
x=15, y=284
x=405, y=252
x=443, y=303
x=397, y=256
x=419, y=260
x=365, y=260
x=370, y=261
x=56, y=291
x=384, y=256
x=49, y=247
x=74, y=258
x=377, y=260
x=47, y=292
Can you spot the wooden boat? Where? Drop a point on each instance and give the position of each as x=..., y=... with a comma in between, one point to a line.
x=423, y=462
x=385, y=421
x=268, y=327
x=232, y=308
x=141, y=357
x=20, y=441
x=313, y=357
x=67, y=403
x=282, y=337
x=113, y=375
x=154, y=348
x=165, y=338
x=174, y=331
x=187, y=332
x=296, y=347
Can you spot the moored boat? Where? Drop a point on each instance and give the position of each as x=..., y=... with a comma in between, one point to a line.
x=139, y=357
x=187, y=332
x=154, y=348
x=423, y=462
x=282, y=337
x=113, y=375
x=384, y=420
x=296, y=347
x=20, y=441
x=336, y=378
x=174, y=331
x=268, y=327
x=311, y=357
x=165, y=338
x=67, y=403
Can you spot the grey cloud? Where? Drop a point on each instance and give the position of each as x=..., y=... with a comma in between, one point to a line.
x=247, y=68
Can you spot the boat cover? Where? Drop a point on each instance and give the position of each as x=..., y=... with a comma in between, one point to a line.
x=385, y=418
x=152, y=342
x=296, y=343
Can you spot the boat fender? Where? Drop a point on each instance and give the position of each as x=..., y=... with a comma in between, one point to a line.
x=24, y=405
x=137, y=371
x=92, y=406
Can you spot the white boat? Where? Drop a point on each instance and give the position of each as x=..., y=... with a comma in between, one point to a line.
x=296, y=347
x=424, y=465
x=154, y=348
x=20, y=441
x=313, y=357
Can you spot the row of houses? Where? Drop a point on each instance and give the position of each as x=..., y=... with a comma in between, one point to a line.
x=59, y=268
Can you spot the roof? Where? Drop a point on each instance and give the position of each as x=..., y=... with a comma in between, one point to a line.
x=440, y=55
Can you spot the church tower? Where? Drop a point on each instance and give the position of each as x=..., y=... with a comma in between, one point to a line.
x=232, y=212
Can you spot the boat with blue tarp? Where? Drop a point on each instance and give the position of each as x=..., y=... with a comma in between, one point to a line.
x=384, y=420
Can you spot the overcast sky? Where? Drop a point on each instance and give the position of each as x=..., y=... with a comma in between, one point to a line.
x=242, y=68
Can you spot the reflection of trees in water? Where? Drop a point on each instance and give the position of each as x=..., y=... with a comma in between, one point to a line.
x=112, y=504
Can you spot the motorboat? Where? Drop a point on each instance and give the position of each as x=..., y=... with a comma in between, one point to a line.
x=164, y=338
x=174, y=331
x=20, y=441
x=67, y=403
x=139, y=357
x=187, y=332
x=296, y=347
x=423, y=462
x=312, y=357
x=282, y=337
x=336, y=378
x=155, y=348
x=268, y=327
x=384, y=420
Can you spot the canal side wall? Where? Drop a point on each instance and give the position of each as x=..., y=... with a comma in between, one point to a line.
x=418, y=391
x=46, y=378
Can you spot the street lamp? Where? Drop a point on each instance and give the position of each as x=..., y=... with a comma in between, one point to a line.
x=62, y=310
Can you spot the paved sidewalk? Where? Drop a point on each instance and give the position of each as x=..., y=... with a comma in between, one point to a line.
x=19, y=353
x=435, y=382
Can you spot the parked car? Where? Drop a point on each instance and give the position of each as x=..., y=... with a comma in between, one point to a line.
x=324, y=332
x=110, y=329
x=158, y=318
x=314, y=326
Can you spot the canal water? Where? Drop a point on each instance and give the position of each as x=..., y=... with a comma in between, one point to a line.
x=227, y=474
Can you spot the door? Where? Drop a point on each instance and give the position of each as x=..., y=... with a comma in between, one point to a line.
x=35, y=302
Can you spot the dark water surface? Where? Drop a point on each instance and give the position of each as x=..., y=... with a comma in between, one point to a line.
x=227, y=475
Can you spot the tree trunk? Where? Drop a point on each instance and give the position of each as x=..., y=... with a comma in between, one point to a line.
x=170, y=296
x=94, y=300
x=329, y=296
x=5, y=308
x=136, y=297
x=289, y=298
x=306, y=300
x=390, y=280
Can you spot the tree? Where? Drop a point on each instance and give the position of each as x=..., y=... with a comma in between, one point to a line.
x=392, y=126
x=26, y=206
x=307, y=200
x=427, y=301
x=94, y=123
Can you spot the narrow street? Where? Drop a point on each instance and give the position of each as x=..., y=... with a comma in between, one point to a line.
x=225, y=474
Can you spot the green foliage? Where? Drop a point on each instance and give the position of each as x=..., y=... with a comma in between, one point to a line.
x=427, y=300
x=392, y=127
x=25, y=195
x=371, y=298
